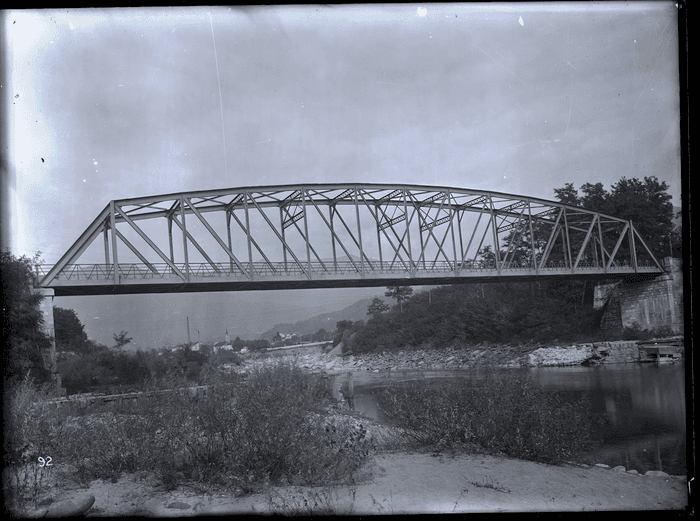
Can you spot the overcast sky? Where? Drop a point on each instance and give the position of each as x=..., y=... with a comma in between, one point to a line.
x=517, y=98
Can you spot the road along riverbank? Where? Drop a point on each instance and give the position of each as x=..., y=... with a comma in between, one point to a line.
x=456, y=357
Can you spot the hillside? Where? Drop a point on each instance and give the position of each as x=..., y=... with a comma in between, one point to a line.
x=327, y=321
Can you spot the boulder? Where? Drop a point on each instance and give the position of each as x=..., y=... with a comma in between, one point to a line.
x=656, y=474
x=70, y=507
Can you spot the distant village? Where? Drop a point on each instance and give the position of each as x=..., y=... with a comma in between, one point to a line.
x=279, y=341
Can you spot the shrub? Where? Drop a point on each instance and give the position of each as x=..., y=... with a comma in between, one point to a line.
x=269, y=427
x=33, y=429
x=496, y=414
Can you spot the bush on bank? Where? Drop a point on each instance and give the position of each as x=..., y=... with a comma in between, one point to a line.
x=269, y=427
x=495, y=414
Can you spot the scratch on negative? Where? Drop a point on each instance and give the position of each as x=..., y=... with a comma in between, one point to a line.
x=499, y=63
x=571, y=100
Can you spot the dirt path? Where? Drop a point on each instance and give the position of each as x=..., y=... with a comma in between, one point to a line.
x=401, y=483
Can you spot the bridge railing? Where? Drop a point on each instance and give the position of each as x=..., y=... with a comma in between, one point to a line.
x=140, y=271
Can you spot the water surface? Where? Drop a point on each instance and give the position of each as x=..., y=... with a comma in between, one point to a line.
x=644, y=405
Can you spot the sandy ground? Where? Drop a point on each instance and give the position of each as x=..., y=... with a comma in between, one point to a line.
x=401, y=483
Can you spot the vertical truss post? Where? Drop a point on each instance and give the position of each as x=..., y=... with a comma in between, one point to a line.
x=284, y=240
x=532, y=239
x=633, y=249
x=460, y=214
x=359, y=235
x=379, y=245
x=408, y=234
x=170, y=238
x=331, y=210
x=602, y=248
x=247, y=229
x=113, y=226
x=496, y=246
x=106, y=241
x=453, y=212
x=228, y=235
x=184, y=238
x=568, y=242
x=306, y=229
x=420, y=237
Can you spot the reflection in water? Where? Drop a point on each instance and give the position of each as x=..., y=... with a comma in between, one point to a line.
x=644, y=406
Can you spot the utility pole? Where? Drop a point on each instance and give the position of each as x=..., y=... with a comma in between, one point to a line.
x=189, y=340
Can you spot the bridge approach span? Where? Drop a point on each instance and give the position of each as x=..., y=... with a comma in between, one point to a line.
x=341, y=235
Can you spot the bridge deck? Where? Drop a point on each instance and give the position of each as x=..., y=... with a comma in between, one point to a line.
x=141, y=278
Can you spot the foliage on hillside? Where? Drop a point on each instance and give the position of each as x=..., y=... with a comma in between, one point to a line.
x=469, y=314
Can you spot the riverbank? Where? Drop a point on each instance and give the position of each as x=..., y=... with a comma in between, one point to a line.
x=407, y=483
x=400, y=480
x=462, y=357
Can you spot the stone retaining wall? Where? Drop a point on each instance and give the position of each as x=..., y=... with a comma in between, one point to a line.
x=621, y=352
x=653, y=304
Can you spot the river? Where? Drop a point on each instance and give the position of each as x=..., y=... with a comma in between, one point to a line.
x=643, y=403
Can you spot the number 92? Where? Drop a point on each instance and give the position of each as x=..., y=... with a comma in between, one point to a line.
x=45, y=462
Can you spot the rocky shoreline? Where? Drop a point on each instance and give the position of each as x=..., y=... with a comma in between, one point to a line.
x=464, y=357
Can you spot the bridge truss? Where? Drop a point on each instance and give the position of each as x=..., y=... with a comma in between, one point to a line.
x=335, y=235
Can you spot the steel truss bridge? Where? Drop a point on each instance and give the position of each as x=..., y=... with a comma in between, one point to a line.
x=341, y=235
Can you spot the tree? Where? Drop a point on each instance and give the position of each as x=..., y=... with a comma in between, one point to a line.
x=340, y=328
x=121, y=339
x=377, y=307
x=400, y=293
x=22, y=319
x=69, y=331
x=320, y=335
x=676, y=237
x=646, y=203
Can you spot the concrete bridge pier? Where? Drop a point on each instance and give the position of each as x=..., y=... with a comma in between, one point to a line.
x=651, y=305
x=46, y=308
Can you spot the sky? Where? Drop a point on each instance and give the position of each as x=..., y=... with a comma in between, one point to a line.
x=515, y=97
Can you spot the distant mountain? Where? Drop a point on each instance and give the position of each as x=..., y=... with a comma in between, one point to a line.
x=327, y=321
